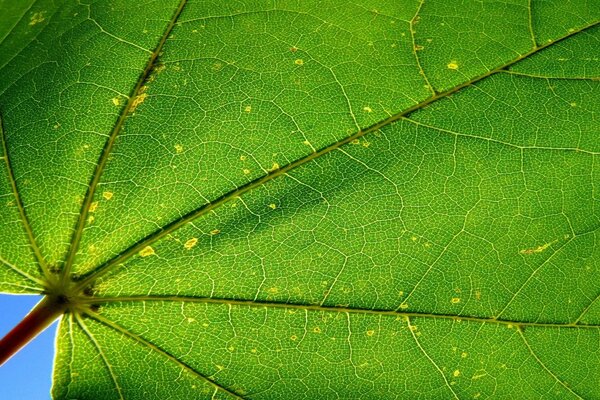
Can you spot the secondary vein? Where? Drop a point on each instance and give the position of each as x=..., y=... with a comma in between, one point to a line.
x=110, y=324
x=22, y=214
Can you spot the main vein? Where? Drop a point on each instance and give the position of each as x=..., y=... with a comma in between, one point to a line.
x=208, y=207
x=338, y=309
x=126, y=111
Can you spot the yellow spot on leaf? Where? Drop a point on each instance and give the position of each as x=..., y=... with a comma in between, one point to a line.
x=139, y=99
x=452, y=65
x=179, y=148
x=367, y=109
x=90, y=219
x=147, y=251
x=272, y=206
x=107, y=195
x=94, y=206
x=419, y=47
x=36, y=18
x=248, y=109
x=404, y=306
x=355, y=141
x=215, y=232
x=455, y=300
x=370, y=332
x=456, y=373
x=273, y=290
x=294, y=337
x=116, y=101
x=190, y=243
x=316, y=329
x=246, y=171
x=299, y=61
x=243, y=158
x=464, y=354
x=274, y=167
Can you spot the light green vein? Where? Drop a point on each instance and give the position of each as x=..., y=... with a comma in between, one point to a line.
x=413, y=332
x=101, y=353
x=110, y=324
x=544, y=367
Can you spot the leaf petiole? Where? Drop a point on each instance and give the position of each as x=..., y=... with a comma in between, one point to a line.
x=39, y=318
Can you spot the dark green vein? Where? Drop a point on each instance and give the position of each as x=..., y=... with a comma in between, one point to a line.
x=337, y=309
x=110, y=324
x=125, y=112
x=23, y=215
x=206, y=208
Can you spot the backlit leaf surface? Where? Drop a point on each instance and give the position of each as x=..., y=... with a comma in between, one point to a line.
x=307, y=199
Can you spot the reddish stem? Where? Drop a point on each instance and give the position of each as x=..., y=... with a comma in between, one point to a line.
x=34, y=323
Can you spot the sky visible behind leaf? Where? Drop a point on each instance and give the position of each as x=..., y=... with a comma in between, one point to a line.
x=279, y=199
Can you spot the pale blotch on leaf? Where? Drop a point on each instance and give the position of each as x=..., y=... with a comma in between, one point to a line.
x=299, y=61
x=419, y=47
x=452, y=65
x=273, y=290
x=274, y=167
x=455, y=300
x=367, y=109
x=178, y=148
x=147, y=251
x=293, y=337
x=272, y=206
x=94, y=206
x=107, y=195
x=215, y=232
x=116, y=101
x=190, y=243
x=456, y=373
x=246, y=171
x=36, y=18
x=243, y=158
x=538, y=249
x=370, y=332
x=464, y=354
x=355, y=141
x=403, y=306
x=248, y=109
x=316, y=329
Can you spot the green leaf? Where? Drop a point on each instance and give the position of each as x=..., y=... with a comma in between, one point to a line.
x=316, y=199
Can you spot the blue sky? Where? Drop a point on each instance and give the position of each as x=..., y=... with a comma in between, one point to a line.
x=27, y=375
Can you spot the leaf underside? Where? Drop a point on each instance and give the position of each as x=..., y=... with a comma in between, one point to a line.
x=279, y=199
